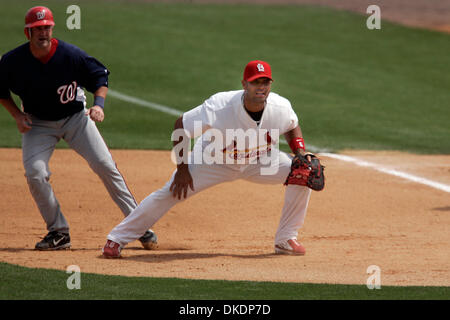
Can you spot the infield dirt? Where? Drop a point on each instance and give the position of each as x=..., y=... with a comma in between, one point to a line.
x=362, y=218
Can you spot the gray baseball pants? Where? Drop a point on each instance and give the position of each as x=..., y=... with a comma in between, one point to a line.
x=82, y=135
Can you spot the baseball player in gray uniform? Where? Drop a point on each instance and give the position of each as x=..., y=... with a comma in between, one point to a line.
x=49, y=76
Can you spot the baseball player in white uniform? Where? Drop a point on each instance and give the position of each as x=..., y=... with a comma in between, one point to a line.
x=254, y=108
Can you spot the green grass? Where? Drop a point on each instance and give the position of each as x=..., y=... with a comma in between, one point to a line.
x=351, y=87
x=41, y=284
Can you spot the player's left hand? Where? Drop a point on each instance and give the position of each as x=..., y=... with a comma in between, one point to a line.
x=302, y=159
x=96, y=114
x=306, y=170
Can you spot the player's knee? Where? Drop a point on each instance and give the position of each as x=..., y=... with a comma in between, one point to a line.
x=37, y=172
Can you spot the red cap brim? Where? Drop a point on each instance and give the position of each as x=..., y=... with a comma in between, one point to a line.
x=40, y=23
x=257, y=76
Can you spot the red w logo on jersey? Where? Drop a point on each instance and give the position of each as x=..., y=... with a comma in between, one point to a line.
x=67, y=93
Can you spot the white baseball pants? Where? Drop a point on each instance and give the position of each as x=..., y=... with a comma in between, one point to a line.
x=154, y=206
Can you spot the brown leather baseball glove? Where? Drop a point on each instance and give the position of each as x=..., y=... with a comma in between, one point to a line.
x=306, y=173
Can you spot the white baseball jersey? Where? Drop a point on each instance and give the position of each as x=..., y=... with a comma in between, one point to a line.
x=224, y=112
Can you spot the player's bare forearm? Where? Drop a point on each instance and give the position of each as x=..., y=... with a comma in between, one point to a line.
x=101, y=92
x=11, y=106
x=23, y=120
x=182, y=179
x=179, y=126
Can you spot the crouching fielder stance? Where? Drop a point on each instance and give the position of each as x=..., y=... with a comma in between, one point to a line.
x=221, y=154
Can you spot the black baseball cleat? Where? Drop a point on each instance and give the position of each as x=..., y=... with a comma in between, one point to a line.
x=149, y=240
x=54, y=240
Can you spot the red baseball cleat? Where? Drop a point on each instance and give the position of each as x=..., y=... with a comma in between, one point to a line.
x=291, y=246
x=112, y=250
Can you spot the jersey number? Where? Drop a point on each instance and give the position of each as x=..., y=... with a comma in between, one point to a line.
x=67, y=92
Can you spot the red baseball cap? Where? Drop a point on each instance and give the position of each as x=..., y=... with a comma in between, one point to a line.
x=257, y=69
x=39, y=16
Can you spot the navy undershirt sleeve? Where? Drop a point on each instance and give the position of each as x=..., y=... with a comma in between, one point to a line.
x=94, y=73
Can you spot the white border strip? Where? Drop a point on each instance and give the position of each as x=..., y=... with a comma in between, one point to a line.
x=407, y=176
x=361, y=163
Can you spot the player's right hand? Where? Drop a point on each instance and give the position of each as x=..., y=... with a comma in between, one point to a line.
x=96, y=113
x=23, y=122
x=181, y=182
